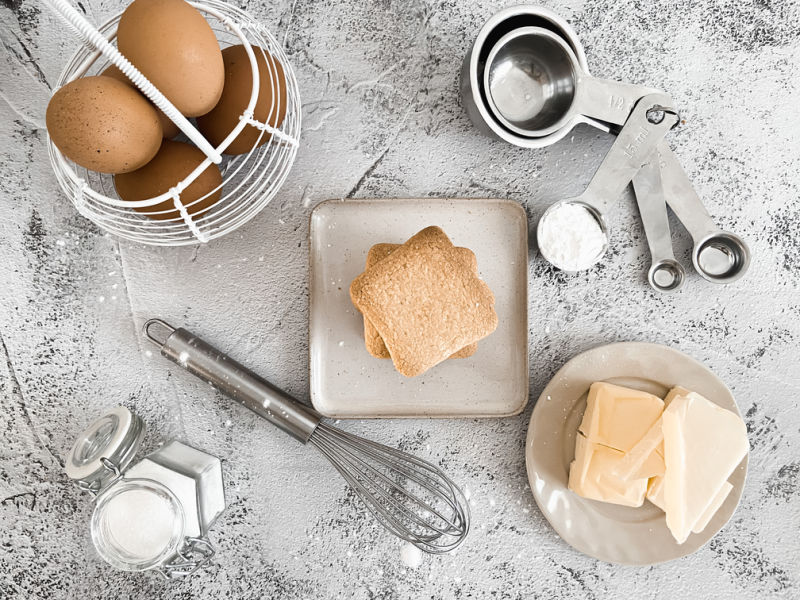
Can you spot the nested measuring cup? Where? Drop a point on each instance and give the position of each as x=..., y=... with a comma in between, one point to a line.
x=536, y=86
x=473, y=92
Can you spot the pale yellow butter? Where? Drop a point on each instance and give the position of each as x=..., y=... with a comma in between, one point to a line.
x=655, y=491
x=590, y=475
x=674, y=393
x=642, y=461
x=703, y=444
x=618, y=417
x=713, y=507
x=646, y=458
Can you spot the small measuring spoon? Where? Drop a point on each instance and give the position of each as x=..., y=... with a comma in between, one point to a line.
x=648, y=123
x=719, y=256
x=535, y=85
x=665, y=274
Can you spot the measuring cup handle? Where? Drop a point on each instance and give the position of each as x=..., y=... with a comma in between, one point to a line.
x=635, y=143
x=682, y=197
x=608, y=101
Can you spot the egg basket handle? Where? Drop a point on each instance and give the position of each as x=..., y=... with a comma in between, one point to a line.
x=89, y=35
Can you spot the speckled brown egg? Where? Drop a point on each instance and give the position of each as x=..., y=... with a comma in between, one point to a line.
x=168, y=128
x=171, y=43
x=103, y=125
x=174, y=161
x=270, y=105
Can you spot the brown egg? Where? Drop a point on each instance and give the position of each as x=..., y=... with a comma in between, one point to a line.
x=169, y=129
x=174, y=161
x=217, y=124
x=171, y=43
x=103, y=125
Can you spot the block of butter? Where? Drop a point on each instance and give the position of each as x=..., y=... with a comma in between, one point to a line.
x=655, y=491
x=616, y=419
x=590, y=475
x=703, y=444
x=646, y=458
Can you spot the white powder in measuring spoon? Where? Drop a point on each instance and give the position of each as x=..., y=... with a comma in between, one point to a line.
x=570, y=237
x=140, y=523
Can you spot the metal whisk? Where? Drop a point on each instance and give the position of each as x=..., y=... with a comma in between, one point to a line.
x=410, y=497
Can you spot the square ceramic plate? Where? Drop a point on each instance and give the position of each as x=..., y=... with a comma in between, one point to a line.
x=618, y=534
x=346, y=381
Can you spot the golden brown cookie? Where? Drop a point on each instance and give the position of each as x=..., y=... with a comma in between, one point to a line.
x=425, y=302
x=372, y=339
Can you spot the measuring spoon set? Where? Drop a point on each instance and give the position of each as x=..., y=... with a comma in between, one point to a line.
x=526, y=81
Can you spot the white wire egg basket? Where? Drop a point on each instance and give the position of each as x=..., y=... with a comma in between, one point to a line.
x=249, y=181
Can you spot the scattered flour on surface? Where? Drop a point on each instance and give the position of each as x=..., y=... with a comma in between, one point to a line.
x=411, y=556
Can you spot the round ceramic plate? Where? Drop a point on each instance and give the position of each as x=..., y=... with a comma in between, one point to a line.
x=617, y=534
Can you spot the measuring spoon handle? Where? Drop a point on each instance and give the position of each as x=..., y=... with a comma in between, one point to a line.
x=682, y=197
x=649, y=191
x=606, y=100
x=635, y=143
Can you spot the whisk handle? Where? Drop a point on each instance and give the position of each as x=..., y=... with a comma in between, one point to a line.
x=233, y=379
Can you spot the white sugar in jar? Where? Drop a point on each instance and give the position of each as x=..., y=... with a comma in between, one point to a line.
x=154, y=514
x=137, y=525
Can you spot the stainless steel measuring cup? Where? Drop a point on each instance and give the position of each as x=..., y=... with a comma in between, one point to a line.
x=719, y=256
x=473, y=94
x=650, y=120
x=535, y=85
x=665, y=274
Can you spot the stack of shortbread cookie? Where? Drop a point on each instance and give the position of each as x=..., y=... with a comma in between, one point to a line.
x=423, y=302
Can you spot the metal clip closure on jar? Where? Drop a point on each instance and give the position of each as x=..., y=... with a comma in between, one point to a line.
x=152, y=515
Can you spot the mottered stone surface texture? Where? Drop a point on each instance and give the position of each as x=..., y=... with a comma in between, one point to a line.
x=382, y=118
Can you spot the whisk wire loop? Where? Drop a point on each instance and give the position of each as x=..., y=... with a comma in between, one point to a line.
x=351, y=459
x=418, y=478
x=410, y=497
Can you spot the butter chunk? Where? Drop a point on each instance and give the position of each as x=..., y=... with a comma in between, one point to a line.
x=703, y=444
x=590, y=475
x=655, y=491
x=642, y=461
x=674, y=393
x=713, y=507
x=618, y=417
x=646, y=458
x=653, y=466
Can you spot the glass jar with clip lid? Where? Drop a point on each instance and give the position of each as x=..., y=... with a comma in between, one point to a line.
x=154, y=514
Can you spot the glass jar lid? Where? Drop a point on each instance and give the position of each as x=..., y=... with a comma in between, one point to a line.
x=105, y=449
x=137, y=524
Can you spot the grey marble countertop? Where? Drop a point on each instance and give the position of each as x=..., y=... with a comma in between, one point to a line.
x=382, y=119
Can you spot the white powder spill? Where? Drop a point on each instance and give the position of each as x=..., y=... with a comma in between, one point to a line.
x=411, y=556
x=570, y=237
x=139, y=523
